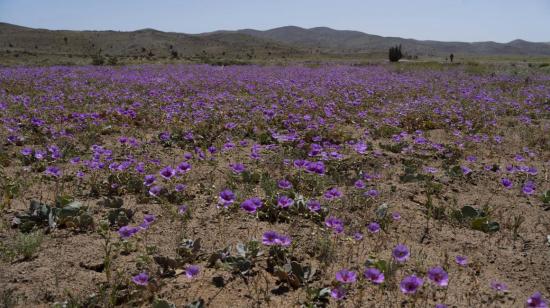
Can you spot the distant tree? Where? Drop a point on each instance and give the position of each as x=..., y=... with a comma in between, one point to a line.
x=395, y=53
x=451, y=57
x=174, y=54
x=66, y=40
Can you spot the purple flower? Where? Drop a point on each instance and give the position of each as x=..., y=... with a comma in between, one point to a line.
x=182, y=209
x=149, y=180
x=430, y=170
x=410, y=284
x=299, y=163
x=284, y=184
x=284, y=202
x=499, y=286
x=461, y=260
x=26, y=151
x=357, y=236
x=359, y=184
x=126, y=232
x=537, y=301
x=506, y=183
x=53, y=171
x=237, y=168
x=167, y=172
x=149, y=218
x=438, y=276
x=360, y=147
x=395, y=216
x=39, y=154
x=180, y=187
x=155, y=191
x=335, y=224
x=314, y=206
x=529, y=188
x=191, y=271
x=227, y=197
x=333, y=193
x=465, y=170
x=184, y=167
x=374, y=275
x=346, y=276
x=251, y=205
x=141, y=279
x=272, y=238
x=373, y=227
x=338, y=293
x=401, y=253
x=440, y=306
x=373, y=193
x=315, y=167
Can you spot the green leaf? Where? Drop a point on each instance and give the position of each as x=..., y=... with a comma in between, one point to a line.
x=469, y=212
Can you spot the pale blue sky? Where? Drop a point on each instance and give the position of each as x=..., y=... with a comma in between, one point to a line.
x=448, y=20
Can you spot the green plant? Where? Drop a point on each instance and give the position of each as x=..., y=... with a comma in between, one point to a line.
x=28, y=244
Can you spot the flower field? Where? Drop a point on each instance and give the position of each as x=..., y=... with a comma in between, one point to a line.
x=283, y=186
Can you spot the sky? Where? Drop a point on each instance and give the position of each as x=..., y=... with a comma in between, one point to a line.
x=444, y=20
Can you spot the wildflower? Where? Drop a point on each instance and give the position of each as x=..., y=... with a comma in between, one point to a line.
x=182, y=209
x=141, y=279
x=346, y=276
x=438, y=276
x=184, y=167
x=506, y=183
x=430, y=170
x=284, y=184
x=461, y=260
x=167, y=172
x=272, y=238
x=395, y=216
x=192, y=271
x=359, y=184
x=227, y=197
x=374, y=275
x=149, y=180
x=335, y=224
x=360, y=147
x=314, y=205
x=373, y=227
x=537, y=301
x=357, y=236
x=26, y=151
x=237, y=168
x=373, y=193
x=126, y=232
x=180, y=187
x=53, y=171
x=338, y=293
x=284, y=202
x=499, y=286
x=315, y=167
x=333, y=193
x=465, y=170
x=529, y=188
x=149, y=219
x=440, y=306
x=251, y=205
x=401, y=253
x=155, y=191
x=410, y=284
x=299, y=163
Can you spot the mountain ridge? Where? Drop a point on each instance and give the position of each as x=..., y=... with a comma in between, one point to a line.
x=245, y=44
